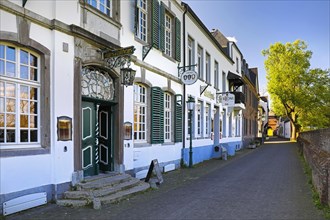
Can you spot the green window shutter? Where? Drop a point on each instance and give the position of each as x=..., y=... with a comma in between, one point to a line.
x=162, y=27
x=155, y=24
x=136, y=18
x=157, y=115
x=177, y=40
x=178, y=118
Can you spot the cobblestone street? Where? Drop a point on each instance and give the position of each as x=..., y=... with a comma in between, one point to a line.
x=264, y=183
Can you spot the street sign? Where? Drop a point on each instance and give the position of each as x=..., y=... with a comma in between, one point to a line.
x=189, y=77
x=226, y=99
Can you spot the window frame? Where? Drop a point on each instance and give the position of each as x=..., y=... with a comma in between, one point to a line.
x=19, y=82
x=216, y=74
x=199, y=115
x=168, y=108
x=99, y=4
x=190, y=52
x=207, y=120
x=200, y=63
x=168, y=35
x=138, y=104
x=208, y=68
x=140, y=11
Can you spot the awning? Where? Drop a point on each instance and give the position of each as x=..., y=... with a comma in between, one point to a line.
x=235, y=80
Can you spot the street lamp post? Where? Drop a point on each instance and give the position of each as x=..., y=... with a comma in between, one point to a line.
x=190, y=107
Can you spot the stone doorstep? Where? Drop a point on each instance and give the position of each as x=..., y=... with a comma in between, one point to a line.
x=123, y=194
x=120, y=195
x=102, y=182
x=90, y=194
x=113, y=189
x=100, y=176
x=72, y=202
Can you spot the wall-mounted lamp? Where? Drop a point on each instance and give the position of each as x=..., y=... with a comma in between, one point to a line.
x=127, y=130
x=64, y=128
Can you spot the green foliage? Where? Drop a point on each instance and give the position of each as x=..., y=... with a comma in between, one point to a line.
x=298, y=92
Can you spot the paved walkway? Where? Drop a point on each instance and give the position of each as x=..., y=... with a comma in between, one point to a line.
x=264, y=183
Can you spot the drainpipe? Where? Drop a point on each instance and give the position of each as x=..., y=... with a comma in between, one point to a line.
x=184, y=86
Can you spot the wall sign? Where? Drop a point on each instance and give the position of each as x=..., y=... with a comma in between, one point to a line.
x=189, y=77
x=226, y=99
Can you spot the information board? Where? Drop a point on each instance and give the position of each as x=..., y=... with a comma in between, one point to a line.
x=155, y=166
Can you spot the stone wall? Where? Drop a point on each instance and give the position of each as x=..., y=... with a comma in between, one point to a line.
x=315, y=147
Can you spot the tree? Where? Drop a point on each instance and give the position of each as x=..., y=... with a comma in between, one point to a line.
x=300, y=93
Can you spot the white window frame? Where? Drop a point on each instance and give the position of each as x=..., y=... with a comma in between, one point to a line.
x=207, y=120
x=208, y=68
x=140, y=117
x=190, y=48
x=199, y=113
x=216, y=74
x=167, y=117
x=200, y=65
x=101, y=5
x=142, y=20
x=168, y=34
x=17, y=99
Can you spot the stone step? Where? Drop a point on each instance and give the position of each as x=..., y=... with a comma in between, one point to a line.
x=100, y=176
x=90, y=194
x=103, y=182
x=72, y=202
x=120, y=195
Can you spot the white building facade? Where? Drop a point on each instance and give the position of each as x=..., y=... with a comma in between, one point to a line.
x=65, y=113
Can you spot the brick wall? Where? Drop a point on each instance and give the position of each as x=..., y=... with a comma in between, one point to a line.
x=315, y=147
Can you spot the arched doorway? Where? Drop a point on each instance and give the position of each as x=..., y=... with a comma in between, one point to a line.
x=97, y=91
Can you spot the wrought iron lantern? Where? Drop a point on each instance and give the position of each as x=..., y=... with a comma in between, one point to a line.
x=127, y=76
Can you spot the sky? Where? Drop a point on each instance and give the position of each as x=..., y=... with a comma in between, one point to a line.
x=258, y=24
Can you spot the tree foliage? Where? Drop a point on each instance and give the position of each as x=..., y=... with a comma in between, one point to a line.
x=298, y=92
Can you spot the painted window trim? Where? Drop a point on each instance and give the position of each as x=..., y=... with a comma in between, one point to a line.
x=18, y=81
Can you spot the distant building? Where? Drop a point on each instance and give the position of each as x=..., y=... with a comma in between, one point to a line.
x=272, y=123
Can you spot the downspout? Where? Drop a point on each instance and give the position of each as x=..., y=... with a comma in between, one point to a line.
x=184, y=86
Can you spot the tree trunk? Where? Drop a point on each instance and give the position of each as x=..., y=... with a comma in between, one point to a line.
x=293, y=132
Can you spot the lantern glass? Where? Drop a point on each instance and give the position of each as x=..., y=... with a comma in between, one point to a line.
x=190, y=103
x=127, y=76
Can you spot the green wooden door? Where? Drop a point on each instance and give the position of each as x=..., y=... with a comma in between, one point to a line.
x=105, y=149
x=88, y=139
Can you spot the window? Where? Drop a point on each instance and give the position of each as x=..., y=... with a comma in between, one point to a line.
x=168, y=35
x=191, y=59
x=167, y=117
x=200, y=62
x=142, y=14
x=207, y=120
x=224, y=82
x=140, y=112
x=208, y=68
x=199, y=118
x=216, y=75
x=237, y=65
x=156, y=25
x=19, y=96
x=105, y=6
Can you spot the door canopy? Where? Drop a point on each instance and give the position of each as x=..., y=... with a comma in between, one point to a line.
x=96, y=83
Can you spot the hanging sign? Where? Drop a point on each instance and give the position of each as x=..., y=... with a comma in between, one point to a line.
x=226, y=99
x=120, y=52
x=189, y=77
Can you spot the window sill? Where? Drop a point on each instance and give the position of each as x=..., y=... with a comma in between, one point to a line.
x=23, y=152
